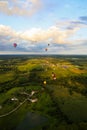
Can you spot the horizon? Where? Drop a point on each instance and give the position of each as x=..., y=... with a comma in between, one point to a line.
x=44, y=54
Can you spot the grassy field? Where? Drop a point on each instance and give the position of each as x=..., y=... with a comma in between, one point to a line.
x=63, y=102
x=8, y=76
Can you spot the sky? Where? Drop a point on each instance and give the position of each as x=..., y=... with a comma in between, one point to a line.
x=43, y=26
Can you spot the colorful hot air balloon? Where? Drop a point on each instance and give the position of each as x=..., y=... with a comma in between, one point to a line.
x=15, y=44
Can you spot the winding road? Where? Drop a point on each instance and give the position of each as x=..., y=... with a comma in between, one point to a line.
x=14, y=109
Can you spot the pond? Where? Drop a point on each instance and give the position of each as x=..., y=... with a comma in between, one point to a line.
x=32, y=120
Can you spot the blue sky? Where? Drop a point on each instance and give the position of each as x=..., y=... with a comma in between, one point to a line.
x=33, y=24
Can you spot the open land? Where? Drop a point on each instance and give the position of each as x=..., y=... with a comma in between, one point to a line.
x=29, y=93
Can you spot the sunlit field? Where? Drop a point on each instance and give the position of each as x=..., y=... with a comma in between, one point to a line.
x=50, y=91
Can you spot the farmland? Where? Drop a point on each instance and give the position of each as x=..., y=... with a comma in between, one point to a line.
x=61, y=103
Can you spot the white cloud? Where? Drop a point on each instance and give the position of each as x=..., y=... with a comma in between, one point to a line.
x=60, y=33
x=18, y=7
x=55, y=34
x=40, y=35
x=6, y=30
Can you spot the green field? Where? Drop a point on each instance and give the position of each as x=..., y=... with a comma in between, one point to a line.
x=60, y=104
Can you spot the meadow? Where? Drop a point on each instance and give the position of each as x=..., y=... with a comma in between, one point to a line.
x=60, y=103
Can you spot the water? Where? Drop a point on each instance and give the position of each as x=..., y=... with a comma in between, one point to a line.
x=32, y=120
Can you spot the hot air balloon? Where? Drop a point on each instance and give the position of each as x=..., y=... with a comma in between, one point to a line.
x=46, y=49
x=44, y=82
x=15, y=44
x=53, y=76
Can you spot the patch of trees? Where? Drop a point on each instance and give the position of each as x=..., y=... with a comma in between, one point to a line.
x=35, y=75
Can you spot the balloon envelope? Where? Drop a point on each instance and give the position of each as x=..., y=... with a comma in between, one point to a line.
x=14, y=44
x=46, y=49
x=45, y=82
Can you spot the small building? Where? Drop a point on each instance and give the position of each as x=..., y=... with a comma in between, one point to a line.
x=32, y=93
x=14, y=99
x=33, y=100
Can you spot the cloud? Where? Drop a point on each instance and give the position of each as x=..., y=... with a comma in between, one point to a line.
x=53, y=34
x=40, y=35
x=60, y=36
x=6, y=30
x=19, y=7
x=71, y=24
x=83, y=18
